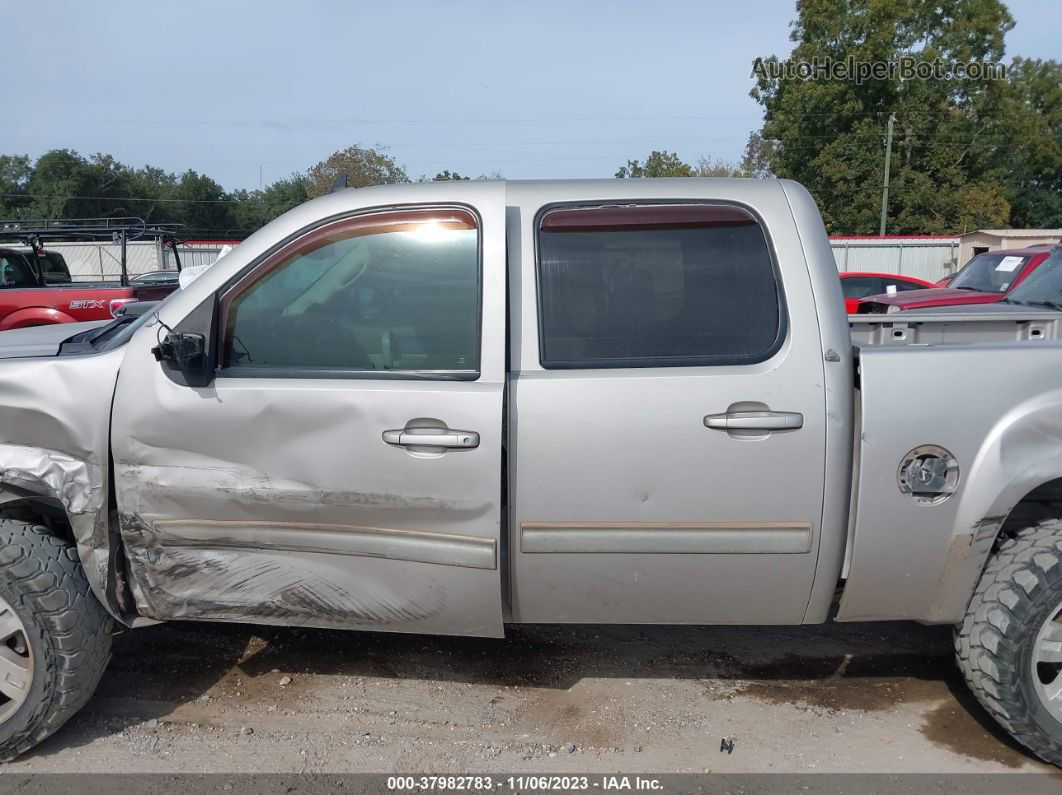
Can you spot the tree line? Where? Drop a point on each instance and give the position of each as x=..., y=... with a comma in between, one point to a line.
x=64, y=184
x=966, y=154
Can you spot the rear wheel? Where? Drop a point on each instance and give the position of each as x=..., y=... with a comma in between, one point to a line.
x=1009, y=646
x=55, y=636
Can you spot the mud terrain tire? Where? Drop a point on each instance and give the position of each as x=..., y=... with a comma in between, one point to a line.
x=67, y=630
x=1020, y=589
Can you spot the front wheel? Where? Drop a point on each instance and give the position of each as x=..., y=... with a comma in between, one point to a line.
x=55, y=636
x=1009, y=646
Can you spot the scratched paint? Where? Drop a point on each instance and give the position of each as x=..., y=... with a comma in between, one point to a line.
x=245, y=584
x=54, y=446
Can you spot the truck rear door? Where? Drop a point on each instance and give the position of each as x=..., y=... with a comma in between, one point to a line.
x=668, y=411
x=343, y=468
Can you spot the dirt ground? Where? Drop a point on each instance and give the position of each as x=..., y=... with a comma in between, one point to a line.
x=234, y=698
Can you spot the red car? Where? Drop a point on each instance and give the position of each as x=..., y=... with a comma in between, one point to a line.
x=985, y=279
x=857, y=286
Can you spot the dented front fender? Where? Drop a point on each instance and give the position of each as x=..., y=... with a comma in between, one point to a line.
x=55, y=415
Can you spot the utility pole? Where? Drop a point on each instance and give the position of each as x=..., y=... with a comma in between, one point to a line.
x=260, y=176
x=885, y=185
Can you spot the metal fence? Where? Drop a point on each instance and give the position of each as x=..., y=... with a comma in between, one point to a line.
x=93, y=261
x=928, y=258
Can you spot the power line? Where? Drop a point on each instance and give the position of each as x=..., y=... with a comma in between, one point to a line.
x=532, y=120
x=125, y=199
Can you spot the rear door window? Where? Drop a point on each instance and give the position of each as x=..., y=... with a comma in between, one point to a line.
x=656, y=286
x=53, y=267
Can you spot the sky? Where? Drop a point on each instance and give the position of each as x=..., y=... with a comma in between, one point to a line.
x=248, y=91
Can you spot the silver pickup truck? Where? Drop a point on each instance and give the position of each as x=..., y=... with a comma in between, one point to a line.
x=443, y=407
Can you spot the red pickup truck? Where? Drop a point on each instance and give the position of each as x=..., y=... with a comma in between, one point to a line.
x=29, y=297
x=36, y=288
x=985, y=279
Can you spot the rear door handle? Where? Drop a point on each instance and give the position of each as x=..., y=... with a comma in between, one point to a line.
x=755, y=421
x=431, y=437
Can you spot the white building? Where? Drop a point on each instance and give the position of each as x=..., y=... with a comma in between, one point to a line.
x=984, y=240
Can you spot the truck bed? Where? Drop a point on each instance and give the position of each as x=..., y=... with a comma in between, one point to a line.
x=1003, y=323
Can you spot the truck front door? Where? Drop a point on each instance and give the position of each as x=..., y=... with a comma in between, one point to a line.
x=668, y=415
x=343, y=467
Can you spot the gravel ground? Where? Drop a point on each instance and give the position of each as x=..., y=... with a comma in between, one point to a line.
x=234, y=698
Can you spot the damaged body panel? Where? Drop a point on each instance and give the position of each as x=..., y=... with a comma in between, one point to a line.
x=435, y=408
x=54, y=446
x=298, y=495
x=379, y=436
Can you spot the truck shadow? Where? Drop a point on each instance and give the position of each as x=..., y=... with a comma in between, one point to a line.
x=832, y=668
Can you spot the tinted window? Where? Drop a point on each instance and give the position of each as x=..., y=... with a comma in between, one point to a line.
x=990, y=273
x=54, y=268
x=861, y=286
x=15, y=271
x=395, y=291
x=662, y=285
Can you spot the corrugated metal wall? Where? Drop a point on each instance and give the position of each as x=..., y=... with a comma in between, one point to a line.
x=91, y=261
x=930, y=259
x=193, y=254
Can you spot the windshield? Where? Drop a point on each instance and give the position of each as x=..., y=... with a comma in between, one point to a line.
x=990, y=273
x=1043, y=284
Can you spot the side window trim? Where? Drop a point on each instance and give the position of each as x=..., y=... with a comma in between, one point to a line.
x=633, y=363
x=276, y=255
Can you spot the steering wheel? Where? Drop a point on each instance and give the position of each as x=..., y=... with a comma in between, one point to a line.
x=319, y=340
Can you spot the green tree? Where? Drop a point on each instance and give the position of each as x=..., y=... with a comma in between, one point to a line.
x=152, y=187
x=203, y=205
x=658, y=164
x=829, y=133
x=756, y=161
x=1031, y=118
x=361, y=166
x=251, y=210
x=447, y=175
x=713, y=167
x=15, y=172
x=57, y=176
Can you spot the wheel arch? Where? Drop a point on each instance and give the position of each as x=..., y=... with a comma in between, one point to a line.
x=35, y=316
x=63, y=494
x=1033, y=493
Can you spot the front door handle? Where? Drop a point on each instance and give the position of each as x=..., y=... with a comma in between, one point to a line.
x=755, y=421
x=431, y=437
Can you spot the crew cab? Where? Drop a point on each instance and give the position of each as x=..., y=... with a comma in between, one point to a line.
x=448, y=407
x=36, y=287
x=32, y=296
x=985, y=279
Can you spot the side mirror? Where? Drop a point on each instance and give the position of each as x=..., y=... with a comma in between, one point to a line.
x=186, y=353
